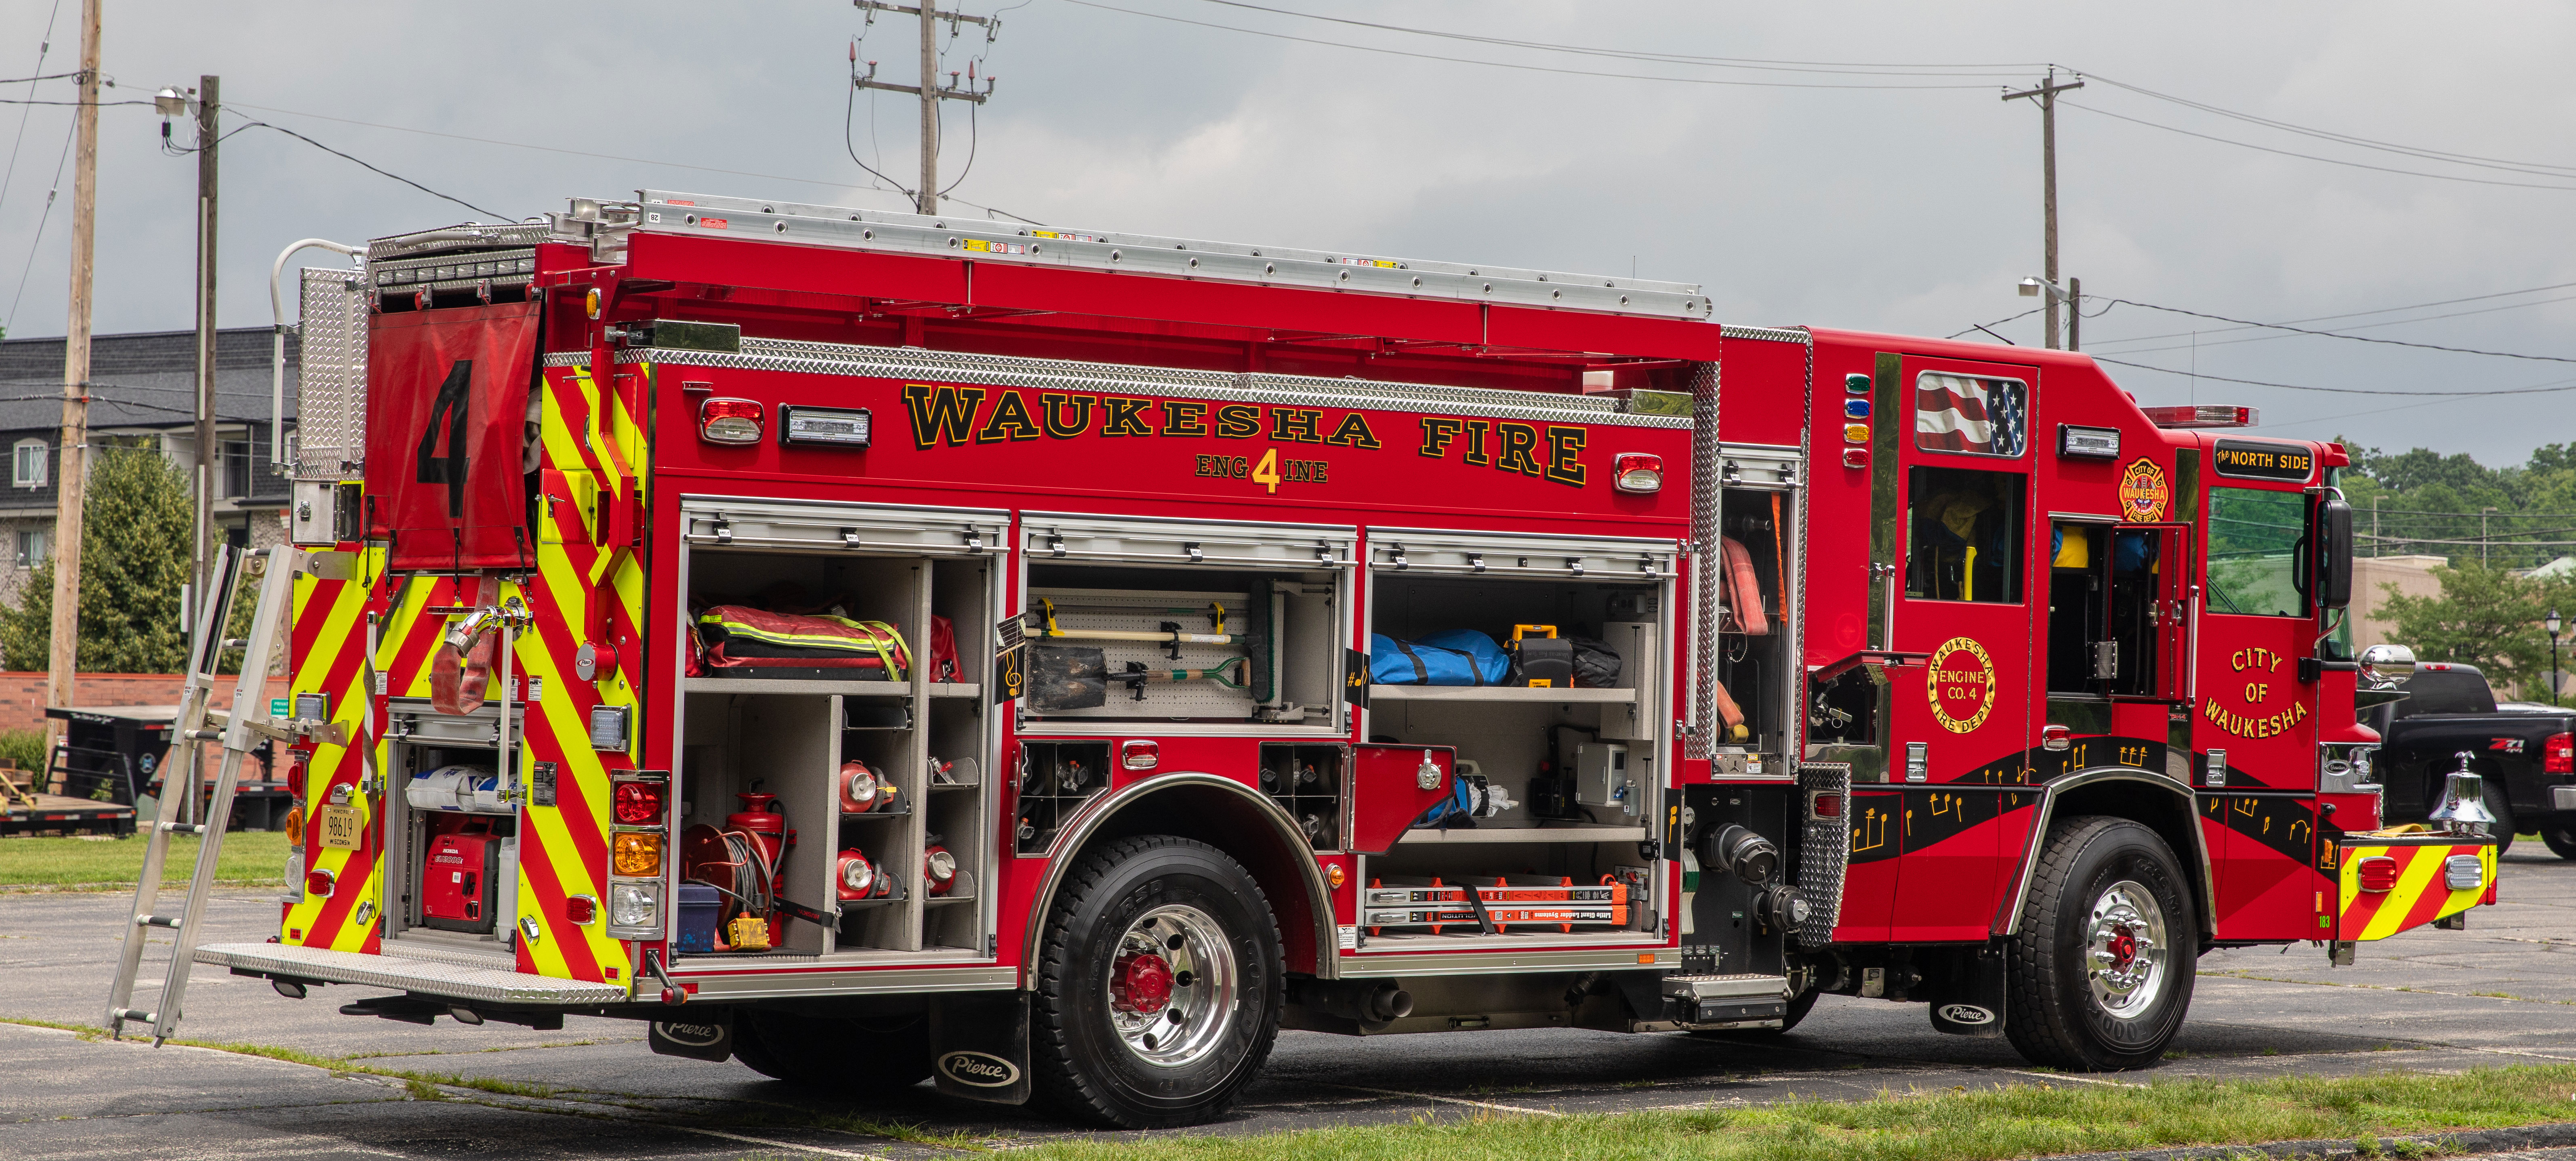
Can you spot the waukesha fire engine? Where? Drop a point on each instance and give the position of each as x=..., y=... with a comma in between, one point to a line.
x=877, y=647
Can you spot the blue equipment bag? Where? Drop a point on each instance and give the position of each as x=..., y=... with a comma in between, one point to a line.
x=1456, y=657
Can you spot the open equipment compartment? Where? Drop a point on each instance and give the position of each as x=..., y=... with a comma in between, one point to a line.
x=849, y=753
x=1196, y=626
x=1572, y=775
x=1758, y=654
x=454, y=882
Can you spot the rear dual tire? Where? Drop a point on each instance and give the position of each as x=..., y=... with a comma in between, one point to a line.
x=2100, y=975
x=1159, y=986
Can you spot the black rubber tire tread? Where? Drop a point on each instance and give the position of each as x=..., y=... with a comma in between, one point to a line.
x=2045, y=1009
x=1798, y=1009
x=1059, y=1076
x=835, y=1053
x=2561, y=839
x=2499, y=805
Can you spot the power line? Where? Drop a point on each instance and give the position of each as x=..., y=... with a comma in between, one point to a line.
x=2361, y=313
x=2346, y=138
x=838, y=185
x=2305, y=156
x=2339, y=335
x=44, y=45
x=2339, y=330
x=2545, y=389
x=37, y=240
x=1835, y=67
x=1506, y=64
x=376, y=169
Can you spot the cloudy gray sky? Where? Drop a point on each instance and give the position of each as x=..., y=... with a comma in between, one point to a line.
x=1911, y=206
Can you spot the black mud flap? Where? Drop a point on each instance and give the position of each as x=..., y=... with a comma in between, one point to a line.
x=1972, y=1004
x=704, y=1036
x=979, y=1045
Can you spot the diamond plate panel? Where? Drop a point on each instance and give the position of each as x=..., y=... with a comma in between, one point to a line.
x=331, y=376
x=410, y=975
x=1824, y=849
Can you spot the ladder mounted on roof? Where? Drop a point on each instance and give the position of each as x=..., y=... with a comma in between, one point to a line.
x=237, y=732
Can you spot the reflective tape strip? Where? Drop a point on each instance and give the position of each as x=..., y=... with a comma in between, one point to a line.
x=327, y=656
x=2420, y=895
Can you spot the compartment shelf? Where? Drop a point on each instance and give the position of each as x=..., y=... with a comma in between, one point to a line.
x=1500, y=693
x=885, y=689
x=1493, y=835
x=898, y=812
x=956, y=689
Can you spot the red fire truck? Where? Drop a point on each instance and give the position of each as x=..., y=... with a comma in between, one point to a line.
x=879, y=647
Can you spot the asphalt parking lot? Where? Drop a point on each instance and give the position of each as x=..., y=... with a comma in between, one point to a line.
x=2501, y=992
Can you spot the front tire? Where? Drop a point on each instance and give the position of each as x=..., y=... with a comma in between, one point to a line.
x=2101, y=972
x=848, y=1054
x=1159, y=985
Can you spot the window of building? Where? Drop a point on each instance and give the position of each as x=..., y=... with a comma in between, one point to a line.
x=1971, y=414
x=234, y=457
x=1963, y=535
x=2254, y=542
x=33, y=545
x=29, y=463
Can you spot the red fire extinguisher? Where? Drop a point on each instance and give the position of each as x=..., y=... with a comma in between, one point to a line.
x=854, y=877
x=760, y=819
x=863, y=789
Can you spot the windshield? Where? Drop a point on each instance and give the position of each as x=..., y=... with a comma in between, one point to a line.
x=2253, y=549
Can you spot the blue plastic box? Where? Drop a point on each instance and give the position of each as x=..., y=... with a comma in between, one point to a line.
x=700, y=907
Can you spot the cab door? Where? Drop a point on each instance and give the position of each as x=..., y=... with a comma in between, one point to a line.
x=2253, y=734
x=1963, y=601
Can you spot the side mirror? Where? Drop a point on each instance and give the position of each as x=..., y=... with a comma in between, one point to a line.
x=2333, y=541
x=2384, y=666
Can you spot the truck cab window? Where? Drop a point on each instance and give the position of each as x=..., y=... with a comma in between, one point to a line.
x=1963, y=535
x=2103, y=584
x=2254, y=542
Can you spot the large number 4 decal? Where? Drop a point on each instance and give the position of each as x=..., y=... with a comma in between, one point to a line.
x=452, y=405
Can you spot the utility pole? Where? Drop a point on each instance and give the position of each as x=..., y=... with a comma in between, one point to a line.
x=925, y=200
x=207, y=133
x=63, y=653
x=2047, y=94
x=2074, y=310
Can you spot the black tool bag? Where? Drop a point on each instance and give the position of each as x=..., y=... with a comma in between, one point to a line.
x=1065, y=677
x=1596, y=664
x=1543, y=661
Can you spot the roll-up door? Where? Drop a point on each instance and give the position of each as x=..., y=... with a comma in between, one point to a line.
x=1523, y=557
x=826, y=527
x=1051, y=536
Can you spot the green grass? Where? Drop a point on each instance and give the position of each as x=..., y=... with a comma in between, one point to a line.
x=2021, y=1121
x=250, y=858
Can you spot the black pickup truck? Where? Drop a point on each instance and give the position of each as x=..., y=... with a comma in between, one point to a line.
x=2528, y=759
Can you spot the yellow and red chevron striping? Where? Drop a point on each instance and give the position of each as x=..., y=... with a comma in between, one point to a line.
x=2419, y=895
x=327, y=654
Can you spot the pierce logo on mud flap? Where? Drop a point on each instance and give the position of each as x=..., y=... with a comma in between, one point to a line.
x=981, y=1069
x=1966, y=1014
x=692, y=1035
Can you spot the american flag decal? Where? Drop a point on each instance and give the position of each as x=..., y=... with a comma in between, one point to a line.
x=1963, y=413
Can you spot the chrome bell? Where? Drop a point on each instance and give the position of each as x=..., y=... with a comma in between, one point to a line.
x=2464, y=802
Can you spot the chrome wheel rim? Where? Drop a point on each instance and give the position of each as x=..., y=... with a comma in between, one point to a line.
x=2125, y=952
x=1170, y=985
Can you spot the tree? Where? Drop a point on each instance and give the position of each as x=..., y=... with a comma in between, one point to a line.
x=2485, y=617
x=134, y=556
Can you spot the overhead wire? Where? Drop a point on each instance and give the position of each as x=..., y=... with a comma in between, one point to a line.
x=2338, y=334
x=2543, y=389
x=2080, y=107
x=44, y=46
x=1506, y=64
x=2428, y=154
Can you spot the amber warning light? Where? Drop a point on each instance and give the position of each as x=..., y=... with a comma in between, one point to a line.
x=1638, y=473
x=734, y=421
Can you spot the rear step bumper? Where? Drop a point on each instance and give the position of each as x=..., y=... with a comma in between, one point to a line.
x=411, y=975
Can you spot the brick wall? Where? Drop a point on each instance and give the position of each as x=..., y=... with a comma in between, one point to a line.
x=22, y=694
